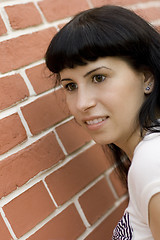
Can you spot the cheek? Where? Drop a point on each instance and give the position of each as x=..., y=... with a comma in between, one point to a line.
x=110, y=99
x=128, y=107
x=71, y=105
x=123, y=104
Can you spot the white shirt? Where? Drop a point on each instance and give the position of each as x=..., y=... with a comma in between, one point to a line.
x=143, y=183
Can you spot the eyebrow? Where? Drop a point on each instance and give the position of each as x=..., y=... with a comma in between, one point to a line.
x=88, y=73
x=94, y=70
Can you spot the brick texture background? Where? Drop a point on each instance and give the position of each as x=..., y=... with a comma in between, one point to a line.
x=55, y=183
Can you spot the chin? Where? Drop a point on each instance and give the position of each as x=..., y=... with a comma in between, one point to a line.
x=102, y=141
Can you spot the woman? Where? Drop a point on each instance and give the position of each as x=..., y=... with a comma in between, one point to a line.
x=108, y=61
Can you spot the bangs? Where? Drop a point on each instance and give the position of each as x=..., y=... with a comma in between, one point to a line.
x=91, y=35
x=71, y=48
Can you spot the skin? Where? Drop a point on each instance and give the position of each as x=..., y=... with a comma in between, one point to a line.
x=109, y=89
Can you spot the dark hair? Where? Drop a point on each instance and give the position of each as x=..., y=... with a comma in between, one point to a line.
x=111, y=31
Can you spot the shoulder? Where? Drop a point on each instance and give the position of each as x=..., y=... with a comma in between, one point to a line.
x=144, y=173
x=147, y=149
x=151, y=140
x=146, y=161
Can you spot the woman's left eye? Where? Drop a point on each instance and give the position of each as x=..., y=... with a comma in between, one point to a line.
x=98, y=78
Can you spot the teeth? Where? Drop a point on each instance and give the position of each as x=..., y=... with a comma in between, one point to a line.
x=95, y=121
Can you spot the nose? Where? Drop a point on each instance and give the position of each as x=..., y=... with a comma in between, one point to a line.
x=85, y=100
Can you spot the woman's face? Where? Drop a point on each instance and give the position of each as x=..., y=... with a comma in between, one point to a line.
x=105, y=97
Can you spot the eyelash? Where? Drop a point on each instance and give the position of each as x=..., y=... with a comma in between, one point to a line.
x=94, y=79
x=67, y=86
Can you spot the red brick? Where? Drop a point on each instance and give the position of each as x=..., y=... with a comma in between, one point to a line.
x=54, y=10
x=76, y=174
x=97, y=3
x=105, y=229
x=12, y=90
x=72, y=135
x=150, y=14
x=96, y=201
x=23, y=15
x=45, y=111
x=67, y=225
x=40, y=78
x=61, y=25
x=118, y=185
x=158, y=28
x=28, y=209
x=24, y=165
x=4, y=233
x=23, y=50
x=12, y=132
x=3, y=29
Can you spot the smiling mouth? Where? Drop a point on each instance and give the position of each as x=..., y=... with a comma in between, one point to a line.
x=96, y=121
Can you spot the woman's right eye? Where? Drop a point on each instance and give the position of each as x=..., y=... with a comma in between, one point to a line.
x=70, y=87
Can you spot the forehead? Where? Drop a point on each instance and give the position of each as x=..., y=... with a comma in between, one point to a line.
x=87, y=67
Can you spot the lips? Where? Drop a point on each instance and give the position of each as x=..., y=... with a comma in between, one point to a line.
x=95, y=121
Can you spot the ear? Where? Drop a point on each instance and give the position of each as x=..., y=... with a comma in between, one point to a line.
x=148, y=82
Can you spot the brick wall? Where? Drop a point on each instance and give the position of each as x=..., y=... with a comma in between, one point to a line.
x=55, y=183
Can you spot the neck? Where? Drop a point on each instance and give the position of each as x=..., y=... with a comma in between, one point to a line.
x=129, y=145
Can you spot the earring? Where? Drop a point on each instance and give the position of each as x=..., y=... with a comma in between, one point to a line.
x=148, y=88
